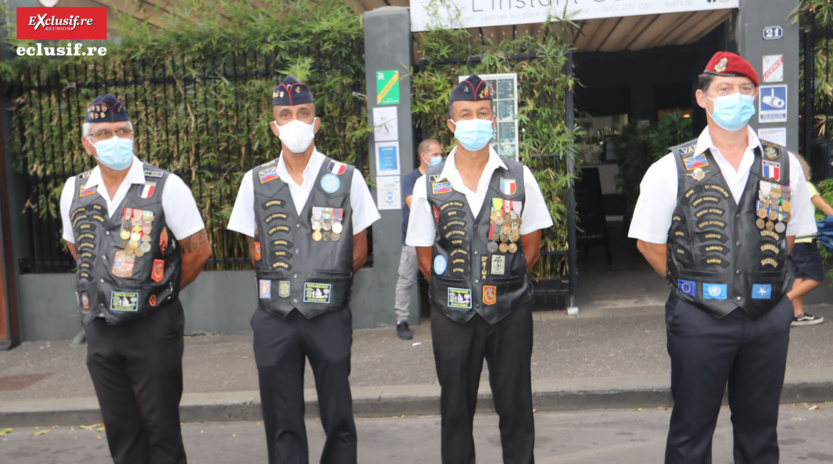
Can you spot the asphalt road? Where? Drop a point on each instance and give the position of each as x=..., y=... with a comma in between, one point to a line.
x=587, y=437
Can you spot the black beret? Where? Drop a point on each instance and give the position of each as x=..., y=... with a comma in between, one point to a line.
x=471, y=89
x=106, y=109
x=291, y=92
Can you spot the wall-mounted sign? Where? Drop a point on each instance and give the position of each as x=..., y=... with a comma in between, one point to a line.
x=773, y=32
x=773, y=70
x=455, y=14
x=505, y=109
x=772, y=103
x=387, y=87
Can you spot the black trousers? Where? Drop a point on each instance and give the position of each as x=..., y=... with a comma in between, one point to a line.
x=459, y=350
x=136, y=370
x=706, y=354
x=280, y=346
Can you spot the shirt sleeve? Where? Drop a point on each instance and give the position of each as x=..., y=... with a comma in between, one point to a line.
x=812, y=189
x=421, y=230
x=803, y=215
x=66, y=204
x=181, y=212
x=242, y=217
x=364, y=209
x=536, y=214
x=657, y=201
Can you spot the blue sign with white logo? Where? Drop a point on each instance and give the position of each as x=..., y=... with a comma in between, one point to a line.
x=687, y=287
x=440, y=263
x=772, y=103
x=761, y=291
x=715, y=291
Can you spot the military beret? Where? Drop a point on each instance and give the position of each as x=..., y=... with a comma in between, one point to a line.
x=106, y=109
x=730, y=64
x=291, y=92
x=471, y=89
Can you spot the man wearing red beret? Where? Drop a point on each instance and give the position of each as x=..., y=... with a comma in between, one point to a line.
x=717, y=217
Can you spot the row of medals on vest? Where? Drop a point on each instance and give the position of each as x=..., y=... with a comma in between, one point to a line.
x=505, y=226
x=136, y=225
x=773, y=207
x=326, y=223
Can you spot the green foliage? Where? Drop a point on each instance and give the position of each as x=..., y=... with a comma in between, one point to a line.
x=639, y=147
x=545, y=141
x=199, y=94
x=817, y=15
x=825, y=189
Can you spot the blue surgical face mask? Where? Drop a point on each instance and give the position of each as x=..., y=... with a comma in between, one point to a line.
x=473, y=134
x=115, y=153
x=732, y=112
x=434, y=160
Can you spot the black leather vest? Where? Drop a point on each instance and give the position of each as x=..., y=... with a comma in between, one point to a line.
x=722, y=255
x=128, y=265
x=305, y=261
x=466, y=277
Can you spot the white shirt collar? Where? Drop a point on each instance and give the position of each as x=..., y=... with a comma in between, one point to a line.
x=136, y=174
x=310, y=171
x=451, y=173
x=705, y=141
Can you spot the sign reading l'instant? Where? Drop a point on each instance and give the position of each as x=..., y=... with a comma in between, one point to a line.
x=454, y=14
x=62, y=23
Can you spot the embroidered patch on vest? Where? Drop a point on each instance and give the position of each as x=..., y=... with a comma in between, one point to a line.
x=489, y=294
x=124, y=301
x=158, y=272
x=761, y=291
x=146, y=190
x=440, y=264
x=771, y=170
x=150, y=173
x=317, y=293
x=268, y=174
x=283, y=288
x=687, y=287
x=459, y=298
x=84, y=191
x=330, y=183
x=441, y=187
x=85, y=301
x=508, y=186
x=336, y=168
x=696, y=161
x=714, y=291
x=265, y=289
x=257, y=251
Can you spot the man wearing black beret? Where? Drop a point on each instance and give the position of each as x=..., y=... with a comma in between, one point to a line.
x=305, y=217
x=124, y=222
x=486, y=213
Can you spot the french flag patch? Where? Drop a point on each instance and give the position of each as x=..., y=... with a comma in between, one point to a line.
x=336, y=168
x=146, y=190
x=771, y=170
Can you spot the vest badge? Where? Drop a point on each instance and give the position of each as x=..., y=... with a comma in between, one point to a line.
x=771, y=170
x=715, y=291
x=317, y=293
x=459, y=298
x=441, y=187
x=695, y=161
x=163, y=240
x=489, y=294
x=265, y=289
x=687, y=287
x=761, y=291
x=146, y=190
x=84, y=191
x=158, y=272
x=124, y=301
x=508, y=186
x=435, y=178
x=336, y=168
x=283, y=288
x=698, y=174
x=268, y=174
x=85, y=301
x=256, y=247
x=772, y=153
x=152, y=173
x=330, y=183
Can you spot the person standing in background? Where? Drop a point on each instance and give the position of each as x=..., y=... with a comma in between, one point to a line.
x=430, y=154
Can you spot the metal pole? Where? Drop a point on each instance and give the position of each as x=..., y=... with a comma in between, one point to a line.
x=808, y=97
x=571, y=197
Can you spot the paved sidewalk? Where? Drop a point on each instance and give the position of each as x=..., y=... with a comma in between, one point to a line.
x=610, y=357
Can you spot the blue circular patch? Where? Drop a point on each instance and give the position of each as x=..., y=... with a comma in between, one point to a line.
x=440, y=264
x=330, y=183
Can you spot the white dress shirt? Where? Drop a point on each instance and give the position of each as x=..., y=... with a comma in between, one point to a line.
x=181, y=212
x=658, y=191
x=421, y=230
x=242, y=218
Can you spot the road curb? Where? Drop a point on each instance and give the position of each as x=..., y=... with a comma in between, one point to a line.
x=385, y=401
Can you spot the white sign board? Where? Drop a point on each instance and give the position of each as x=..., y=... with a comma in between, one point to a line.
x=455, y=14
x=773, y=134
x=773, y=68
x=772, y=103
x=388, y=194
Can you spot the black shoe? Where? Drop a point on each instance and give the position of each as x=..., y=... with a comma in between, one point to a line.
x=403, y=330
x=806, y=318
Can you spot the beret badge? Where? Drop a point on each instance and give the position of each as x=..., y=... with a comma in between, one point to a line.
x=721, y=65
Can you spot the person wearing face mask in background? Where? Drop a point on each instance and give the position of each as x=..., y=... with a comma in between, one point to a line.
x=430, y=154
x=305, y=217
x=476, y=224
x=717, y=217
x=125, y=222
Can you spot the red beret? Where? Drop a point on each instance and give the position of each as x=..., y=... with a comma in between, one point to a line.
x=730, y=64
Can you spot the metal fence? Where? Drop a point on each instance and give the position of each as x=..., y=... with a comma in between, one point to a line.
x=206, y=121
x=817, y=98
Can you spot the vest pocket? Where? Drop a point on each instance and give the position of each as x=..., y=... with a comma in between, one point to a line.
x=453, y=296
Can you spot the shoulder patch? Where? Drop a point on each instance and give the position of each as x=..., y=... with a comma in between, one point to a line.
x=771, y=150
x=153, y=173
x=84, y=175
x=695, y=161
x=83, y=191
x=268, y=174
x=434, y=178
x=336, y=167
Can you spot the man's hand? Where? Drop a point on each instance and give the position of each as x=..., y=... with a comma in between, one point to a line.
x=532, y=248
x=359, y=250
x=655, y=254
x=195, y=252
x=424, y=257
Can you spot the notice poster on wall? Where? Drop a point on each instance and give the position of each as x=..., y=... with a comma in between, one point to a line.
x=388, y=193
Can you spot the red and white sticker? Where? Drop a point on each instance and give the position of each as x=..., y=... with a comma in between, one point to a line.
x=773, y=68
x=62, y=23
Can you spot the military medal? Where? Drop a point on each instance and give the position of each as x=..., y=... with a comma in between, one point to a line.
x=492, y=247
x=780, y=227
x=337, y=228
x=145, y=247
x=316, y=235
x=138, y=252
x=327, y=225
x=335, y=236
x=124, y=234
x=513, y=247
x=762, y=213
x=326, y=236
x=503, y=248
x=760, y=223
x=770, y=225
